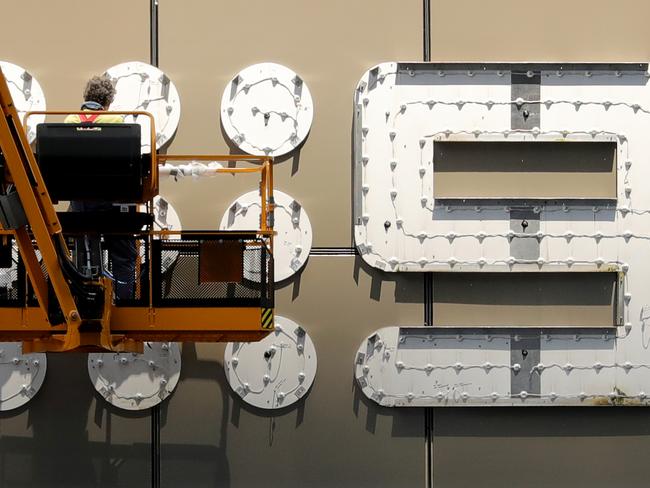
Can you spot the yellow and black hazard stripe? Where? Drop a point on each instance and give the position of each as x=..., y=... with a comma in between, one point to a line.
x=267, y=318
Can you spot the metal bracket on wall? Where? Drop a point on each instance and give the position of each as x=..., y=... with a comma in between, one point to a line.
x=525, y=86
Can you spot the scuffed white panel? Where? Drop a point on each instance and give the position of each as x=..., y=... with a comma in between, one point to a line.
x=417, y=366
x=400, y=226
x=21, y=375
x=142, y=87
x=136, y=381
x=27, y=95
x=400, y=113
x=293, y=241
x=275, y=372
x=267, y=109
x=425, y=366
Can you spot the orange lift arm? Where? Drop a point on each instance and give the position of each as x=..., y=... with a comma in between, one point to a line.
x=158, y=315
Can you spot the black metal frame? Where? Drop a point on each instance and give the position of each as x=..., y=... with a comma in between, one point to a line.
x=188, y=245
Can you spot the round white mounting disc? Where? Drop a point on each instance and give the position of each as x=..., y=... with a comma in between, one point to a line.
x=140, y=86
x=276, y=371
x=165, y=218
x=136, y=381
x=27, y=94
x=267, y=109
x=291, y=245
x=21, y=375
x=165, y=215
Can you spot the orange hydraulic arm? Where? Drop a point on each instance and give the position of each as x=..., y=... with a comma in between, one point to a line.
x=21, y=167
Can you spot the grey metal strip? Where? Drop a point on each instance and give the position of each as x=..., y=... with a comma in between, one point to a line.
x=524, y=357
x=426, y=30
x=524, y=221
x=153, y=30
x=523, y=67
x=525, y=87
x=357, y=171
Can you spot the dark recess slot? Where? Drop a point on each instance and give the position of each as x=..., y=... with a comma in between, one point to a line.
x=525, y=170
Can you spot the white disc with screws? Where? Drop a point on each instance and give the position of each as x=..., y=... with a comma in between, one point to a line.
x=21, y=375
x=140, y=86
x=276, y=371
x=292, y=243
x=267, y=109
x=136, y=381
x=165, y=218
x=165, y=215
x=27, y=94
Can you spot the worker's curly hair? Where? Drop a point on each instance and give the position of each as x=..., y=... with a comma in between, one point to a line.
x=100, y=89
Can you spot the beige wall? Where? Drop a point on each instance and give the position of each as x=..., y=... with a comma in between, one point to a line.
x=65, y=42
x=330, y=44
x=549, y=30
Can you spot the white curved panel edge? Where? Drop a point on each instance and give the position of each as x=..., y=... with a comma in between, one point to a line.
x=293, y=241
x=136, y=381
x=267, y=109
x=400, y=112
x=275, y=372
x=21, y=375
x=140, y=86
x=428, y=366
x=27, y=95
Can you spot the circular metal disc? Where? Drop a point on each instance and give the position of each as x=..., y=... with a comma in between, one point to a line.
x=27, y=94
x=136, y=381
x=292, y=244
x=141, y=86
x=165, y=218
x=21, y=375
x=267, y=109
x=276, y=371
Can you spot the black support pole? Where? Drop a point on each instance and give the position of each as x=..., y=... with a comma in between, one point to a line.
x=426, y=30
x=153, y=41
x=155, y=411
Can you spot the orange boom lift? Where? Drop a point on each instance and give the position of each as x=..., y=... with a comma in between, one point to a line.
x=198, y=286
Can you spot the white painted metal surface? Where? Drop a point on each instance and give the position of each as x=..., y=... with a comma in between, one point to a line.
x=425, y=366
x=136, y=381
x=141, y=86
x=21, y=375
x=293, y=241
x=267, y=109
x=275, y=372
x=399, y=116
x=27, y=95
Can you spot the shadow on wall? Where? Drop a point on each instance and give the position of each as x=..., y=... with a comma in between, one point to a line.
x=542, y=422
x=406, y=422
x=408, y=286
x=177, y=457
x=294, y=281
x=54, y=449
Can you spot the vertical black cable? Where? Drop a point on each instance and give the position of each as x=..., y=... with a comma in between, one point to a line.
x=153, y=41
x=426, y=30
x=428, y=299
x=155, y=447
x=155, y=411
x=428, y=277
x=428, y=411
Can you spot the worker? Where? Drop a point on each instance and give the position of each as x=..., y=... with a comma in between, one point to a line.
x=98, y=96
